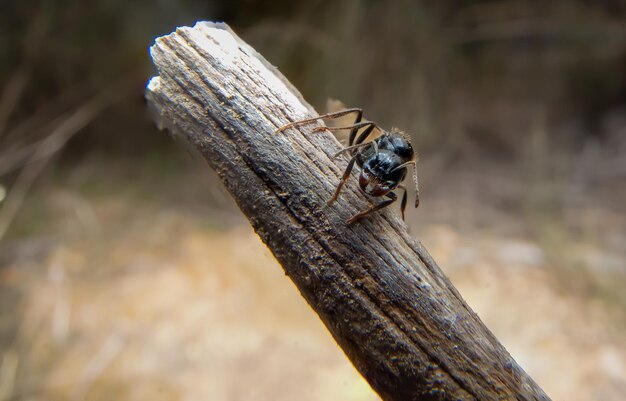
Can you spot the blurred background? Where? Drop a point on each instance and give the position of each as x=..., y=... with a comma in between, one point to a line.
x=126, y=271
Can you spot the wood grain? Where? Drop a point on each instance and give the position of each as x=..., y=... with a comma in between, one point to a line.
x=385, y=301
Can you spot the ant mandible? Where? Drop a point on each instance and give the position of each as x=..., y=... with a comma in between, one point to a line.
x=383, y=160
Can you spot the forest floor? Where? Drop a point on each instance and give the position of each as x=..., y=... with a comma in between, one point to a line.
x=145, y=282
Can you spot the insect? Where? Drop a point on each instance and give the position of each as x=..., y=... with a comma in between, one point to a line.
x=383, y=161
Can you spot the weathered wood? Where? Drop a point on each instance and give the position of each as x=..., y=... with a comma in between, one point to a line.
x=383, y=298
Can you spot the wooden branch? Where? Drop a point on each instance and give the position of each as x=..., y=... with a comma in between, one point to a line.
x=385, y=301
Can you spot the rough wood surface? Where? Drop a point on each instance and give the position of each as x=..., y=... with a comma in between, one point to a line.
x=383, y=298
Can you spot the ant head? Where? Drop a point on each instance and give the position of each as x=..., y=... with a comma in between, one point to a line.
x=372, y=185
x=380, y=173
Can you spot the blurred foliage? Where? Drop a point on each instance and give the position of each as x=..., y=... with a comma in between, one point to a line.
x=463, y=76
x=536, y=87
x=58, y=54
x=470, y=76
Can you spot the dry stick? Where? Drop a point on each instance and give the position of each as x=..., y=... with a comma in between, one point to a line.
x=383, y=298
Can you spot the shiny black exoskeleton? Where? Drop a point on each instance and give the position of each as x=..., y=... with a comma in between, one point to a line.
x=380, y=164
x=383, y=161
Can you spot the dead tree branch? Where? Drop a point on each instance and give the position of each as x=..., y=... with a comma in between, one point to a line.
x=383, y=298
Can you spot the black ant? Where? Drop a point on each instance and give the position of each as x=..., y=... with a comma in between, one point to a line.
x=383, y=160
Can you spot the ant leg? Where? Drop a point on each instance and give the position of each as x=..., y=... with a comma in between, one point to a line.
x=392, y=198
x=366, y=133
x=403, y=202
x=354, y=130
x=336, y=114
x=359, y=142
x=351, y=148
x=354, y=127
x=344, y=178
x=415, y=180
